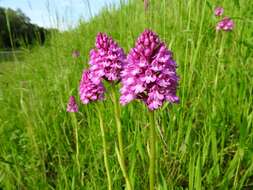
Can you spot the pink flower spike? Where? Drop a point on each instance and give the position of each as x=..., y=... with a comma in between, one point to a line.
x=218, y=11
x=72, y=106
x=226, y=24
x=149, y=73
x=90, y=90
x=107, y=59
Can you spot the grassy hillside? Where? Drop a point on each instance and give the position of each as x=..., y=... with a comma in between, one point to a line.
x=204, y=142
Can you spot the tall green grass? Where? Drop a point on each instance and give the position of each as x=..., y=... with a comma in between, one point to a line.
x=204, y=142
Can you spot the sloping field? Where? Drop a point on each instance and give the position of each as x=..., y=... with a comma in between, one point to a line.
x=203, y=142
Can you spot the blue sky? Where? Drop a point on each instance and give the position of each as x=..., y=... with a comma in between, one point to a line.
x=57, y=13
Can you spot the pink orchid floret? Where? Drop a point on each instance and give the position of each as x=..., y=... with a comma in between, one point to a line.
x=88, y=90
x=218, y=11
x=226, y=24
x=106, y=59
x=150, y=73
x=72, y=105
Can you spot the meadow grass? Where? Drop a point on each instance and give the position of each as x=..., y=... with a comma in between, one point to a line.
x=204, y=142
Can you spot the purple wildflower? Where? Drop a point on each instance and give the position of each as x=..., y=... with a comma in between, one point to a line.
x=106, y=60
x=72, y=106
x=225, y=24
x=150, y=73
x=88, y=90
x=218, y=11
x=75, y=54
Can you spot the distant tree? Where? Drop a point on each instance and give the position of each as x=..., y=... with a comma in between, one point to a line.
x=16, y=29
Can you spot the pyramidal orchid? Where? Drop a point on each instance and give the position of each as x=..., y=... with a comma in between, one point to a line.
x=106, y=62
x=106, y=59
x=88, y=90
x=226, y=24
x=72, y=105
x=218, y=11
x=150, y=73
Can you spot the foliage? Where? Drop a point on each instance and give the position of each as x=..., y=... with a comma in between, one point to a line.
x=16, y=30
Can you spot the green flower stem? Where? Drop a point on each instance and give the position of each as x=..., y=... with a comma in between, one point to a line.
x=219, y=61
x=152, y=144
x=101, y=124
x=75, y=124
x=121, y=156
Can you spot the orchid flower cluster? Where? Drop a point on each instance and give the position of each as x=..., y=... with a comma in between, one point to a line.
x=147, y=73
x=226, y=24
x=150, y=73
x=72, y=105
